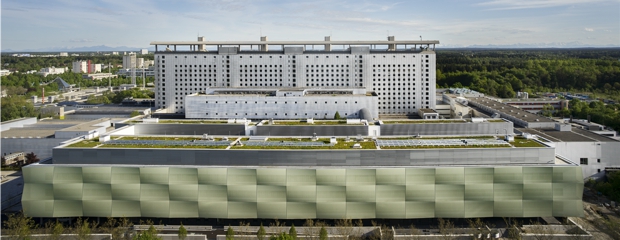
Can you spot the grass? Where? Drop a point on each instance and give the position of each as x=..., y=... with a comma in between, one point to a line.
x=522, y=142
x=194, y=122
x=316, y=122
x=160, y=138
x=160, y=146
x=429, y=138
x=423, y=121
x=341, y=145
x=86, y=143
x=429, y=147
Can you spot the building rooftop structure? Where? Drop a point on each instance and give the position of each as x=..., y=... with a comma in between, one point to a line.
x=514, y=114
x=575, y=135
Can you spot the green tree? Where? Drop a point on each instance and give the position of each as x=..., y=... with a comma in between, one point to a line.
x=261, y=232
x=83, y=229
x=323, y=234
x=18, y=226
x=230, y=234
x=281, y=236
x=547, y=110
x=57, y=229
x=150, y=234
x=117, y=228
x=182, y=232
x=292, y=232
x=337, y=115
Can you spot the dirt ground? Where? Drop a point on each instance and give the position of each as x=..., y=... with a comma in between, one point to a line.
x=600, y=221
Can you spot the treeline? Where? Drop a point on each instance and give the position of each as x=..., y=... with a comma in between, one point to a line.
x=24, y=64
x=503, y=72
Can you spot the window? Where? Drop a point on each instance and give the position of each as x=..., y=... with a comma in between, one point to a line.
x=583, y=161
x=598, y=160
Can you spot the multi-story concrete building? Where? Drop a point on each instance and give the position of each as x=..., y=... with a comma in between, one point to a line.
x=402, y=74
x=129, y=61
x=86, y=67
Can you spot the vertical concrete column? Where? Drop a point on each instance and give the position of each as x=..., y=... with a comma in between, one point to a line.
x=201, y=47
x=264, y=47
x=391, y=47
x=328, y=47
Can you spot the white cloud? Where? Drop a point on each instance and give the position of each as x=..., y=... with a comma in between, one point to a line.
x=526, y=4
x=589, y=29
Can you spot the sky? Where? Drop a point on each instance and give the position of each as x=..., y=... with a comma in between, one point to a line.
x=57, y=24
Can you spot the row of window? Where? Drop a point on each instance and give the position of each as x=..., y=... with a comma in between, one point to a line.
x=276, y=102
x=276, y=114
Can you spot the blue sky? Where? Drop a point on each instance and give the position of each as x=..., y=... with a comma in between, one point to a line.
x=46, y=24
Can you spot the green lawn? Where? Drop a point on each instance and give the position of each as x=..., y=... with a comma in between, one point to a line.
x=86, y=143
x=316, y=122
x=522, y=142
x=430, y=147
x=422, y=121
x=159, y=146
x=340, y=145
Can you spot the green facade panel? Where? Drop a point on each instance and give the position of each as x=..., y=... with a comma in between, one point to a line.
x=304, y=193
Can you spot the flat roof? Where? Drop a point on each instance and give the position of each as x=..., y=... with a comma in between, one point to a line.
x=87, y=126
x=29, y=133
x=509, y=110
x=576, y=135
x=297, y=43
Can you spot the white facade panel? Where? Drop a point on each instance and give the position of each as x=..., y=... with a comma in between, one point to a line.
x=264, y=107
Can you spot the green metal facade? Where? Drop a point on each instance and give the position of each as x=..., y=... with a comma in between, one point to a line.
x=302, y=193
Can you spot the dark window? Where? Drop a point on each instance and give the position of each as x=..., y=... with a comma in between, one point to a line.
x=583, y=161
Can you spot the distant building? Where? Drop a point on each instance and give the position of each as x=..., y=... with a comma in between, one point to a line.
x=148, y=72
x=129, y=61
x=139, y=62
x=144, y=51
x=114, y=53
x=86, y=67
x=51, y=70
x=4, y=72
x=98, y=76
x=80, y=67
x=63, y=54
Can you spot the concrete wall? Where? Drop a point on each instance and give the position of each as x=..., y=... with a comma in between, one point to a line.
x=17, y=123
x=42, y=147
x=291, y=107
x=606, y=152
x=335, y=130
x=189, y=129
x=485, y=128
x=418, y=157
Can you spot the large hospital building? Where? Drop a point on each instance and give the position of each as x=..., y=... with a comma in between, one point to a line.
x=398, y=77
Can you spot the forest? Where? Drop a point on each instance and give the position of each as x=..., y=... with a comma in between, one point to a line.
x=501, y=73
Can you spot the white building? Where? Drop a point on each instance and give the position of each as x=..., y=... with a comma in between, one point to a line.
x=86, y=67
x=139, y=62
x=63, y=54
x=144, y=51
x=4, y=72
x=281, y=104
x=80, y=67
x=401, y=73
x=51, y=70
x=129, y=61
